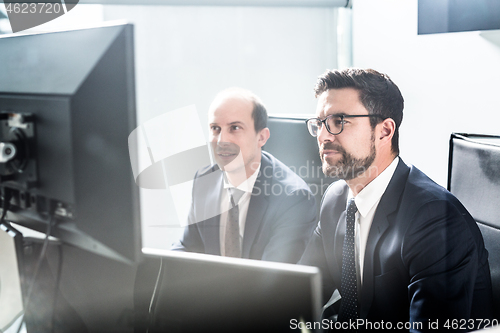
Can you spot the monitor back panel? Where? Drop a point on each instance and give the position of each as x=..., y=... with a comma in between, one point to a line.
x=202, y=293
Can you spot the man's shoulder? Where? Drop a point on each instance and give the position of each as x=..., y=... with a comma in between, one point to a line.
x=206, y=170
x=206, y=178
x=279, y=173
x=422, y=194
x=408, y=183
x=335, y=194
x=421, y=185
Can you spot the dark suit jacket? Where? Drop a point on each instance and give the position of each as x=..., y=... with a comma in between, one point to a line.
x=425, y=259
x=281, y=214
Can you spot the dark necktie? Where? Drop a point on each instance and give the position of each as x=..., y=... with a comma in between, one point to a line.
x=348, y=285
x=232, y=240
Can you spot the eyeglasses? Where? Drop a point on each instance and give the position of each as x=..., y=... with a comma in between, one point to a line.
x=334, y=123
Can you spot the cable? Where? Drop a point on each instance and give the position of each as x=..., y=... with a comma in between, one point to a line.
x=7, y=195
x=56, y=287
x=152, y=303
x=37, y=267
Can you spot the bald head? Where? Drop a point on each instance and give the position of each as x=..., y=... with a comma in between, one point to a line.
x=259, y=112
x=237, y=132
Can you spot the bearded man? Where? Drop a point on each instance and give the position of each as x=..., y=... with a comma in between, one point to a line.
x=396, y=250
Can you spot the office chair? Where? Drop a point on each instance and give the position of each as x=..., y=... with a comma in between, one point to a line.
x=474, y=178
x=291, y=143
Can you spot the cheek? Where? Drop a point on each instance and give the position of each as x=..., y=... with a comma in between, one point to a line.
x=362, y=146
x=248, y=149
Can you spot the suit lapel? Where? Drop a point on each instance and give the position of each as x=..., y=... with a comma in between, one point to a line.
x=340, y=210
x=381, y=222
x=258, y=206
x=378, y=228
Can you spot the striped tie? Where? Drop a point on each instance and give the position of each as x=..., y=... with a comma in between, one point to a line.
x=232, y=242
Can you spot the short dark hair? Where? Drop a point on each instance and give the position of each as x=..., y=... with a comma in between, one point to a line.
x=377, y=93
x=259, y=114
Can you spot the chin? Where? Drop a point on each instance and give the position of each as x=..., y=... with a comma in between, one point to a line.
x=231, y=168
x=331, y=170
x=235, y=170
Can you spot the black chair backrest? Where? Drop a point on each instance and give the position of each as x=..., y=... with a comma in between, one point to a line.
x=474, y=178
x=291, y=143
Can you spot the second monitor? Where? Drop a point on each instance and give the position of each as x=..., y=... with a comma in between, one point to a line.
x=204, y=293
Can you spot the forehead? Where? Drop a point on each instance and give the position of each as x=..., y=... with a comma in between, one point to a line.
x=231, y=109
x=344, y=100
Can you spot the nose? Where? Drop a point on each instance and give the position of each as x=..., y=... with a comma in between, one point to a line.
x=324, y=135
x=223, y=138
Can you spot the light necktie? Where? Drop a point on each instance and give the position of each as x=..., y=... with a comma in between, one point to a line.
x=348, y=286
x=232, y=244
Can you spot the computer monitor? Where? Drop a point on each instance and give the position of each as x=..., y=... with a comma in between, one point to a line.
x=205, y=293
x=67, y=107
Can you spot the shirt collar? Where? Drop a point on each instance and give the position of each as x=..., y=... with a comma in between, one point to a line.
x=372, y=193
x=247, y=185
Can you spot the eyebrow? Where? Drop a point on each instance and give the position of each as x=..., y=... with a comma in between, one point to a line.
x=339, y=114
x=236, y=123
x=233, y=123
x=335, y=114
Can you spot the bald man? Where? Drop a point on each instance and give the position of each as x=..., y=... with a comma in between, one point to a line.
x=248, y=204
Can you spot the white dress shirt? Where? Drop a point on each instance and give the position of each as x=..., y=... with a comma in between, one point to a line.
x=247, y=187
x=367, y=202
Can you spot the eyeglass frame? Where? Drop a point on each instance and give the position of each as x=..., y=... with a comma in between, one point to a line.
x=342, y=116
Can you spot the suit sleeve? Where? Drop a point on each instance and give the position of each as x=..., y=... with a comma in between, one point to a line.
x=190, y=240
x=441, y=258
x=295, y=220
x=314, y=255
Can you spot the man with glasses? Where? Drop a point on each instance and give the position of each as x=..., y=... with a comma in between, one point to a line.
x=249, y=204
x=396, y=250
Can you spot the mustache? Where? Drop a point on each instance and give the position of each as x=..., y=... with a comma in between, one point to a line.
x=226, y=148
x=331, y=146
x=226, y=151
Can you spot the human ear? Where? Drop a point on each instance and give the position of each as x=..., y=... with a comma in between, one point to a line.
x=263, y=135
x=387, y=129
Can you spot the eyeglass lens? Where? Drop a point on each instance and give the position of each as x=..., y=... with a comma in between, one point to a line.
x=334, y=125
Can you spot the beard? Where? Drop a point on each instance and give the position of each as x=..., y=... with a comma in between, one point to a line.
x=348, y=167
